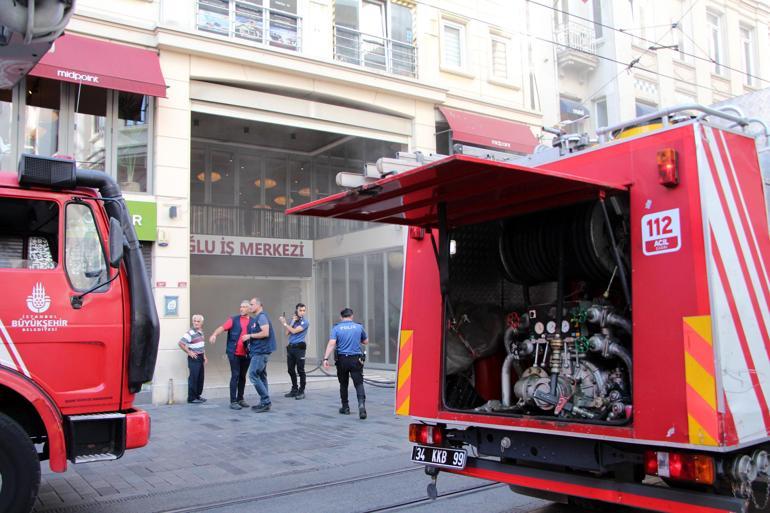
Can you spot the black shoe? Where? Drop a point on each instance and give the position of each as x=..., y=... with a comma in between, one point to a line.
x=300, y=395
x=362, y=413
x=243, y=404
x=260, y=409
x=202, y=399
x=195, y=401
x=292, y=393
x=345, y=410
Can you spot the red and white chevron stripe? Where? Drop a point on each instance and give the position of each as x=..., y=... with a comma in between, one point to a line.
x=9, y=356
x=735, y=229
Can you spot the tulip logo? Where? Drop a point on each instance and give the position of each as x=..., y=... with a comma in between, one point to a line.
x=38, y=302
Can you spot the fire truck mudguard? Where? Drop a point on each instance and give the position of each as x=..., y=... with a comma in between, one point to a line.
x=647, y=497
x=47, y=411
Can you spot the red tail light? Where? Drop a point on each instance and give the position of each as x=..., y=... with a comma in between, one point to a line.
x=695, y=468
x=425, y=434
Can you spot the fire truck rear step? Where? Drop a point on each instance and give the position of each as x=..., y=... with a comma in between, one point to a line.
x=95, y=437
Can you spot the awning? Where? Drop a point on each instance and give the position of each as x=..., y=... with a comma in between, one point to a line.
x=474, y=190
x=489, y=132
x=102, y=64
x=571, y=109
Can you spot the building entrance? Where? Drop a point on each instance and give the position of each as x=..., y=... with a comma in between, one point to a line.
x=218, y=297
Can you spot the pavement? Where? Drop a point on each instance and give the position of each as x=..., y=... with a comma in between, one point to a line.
x=193, y=445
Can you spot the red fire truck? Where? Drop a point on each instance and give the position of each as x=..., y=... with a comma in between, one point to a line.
x=78, y=325
x=589, y=323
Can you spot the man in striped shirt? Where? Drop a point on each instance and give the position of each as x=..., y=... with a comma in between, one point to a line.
x=192, y=343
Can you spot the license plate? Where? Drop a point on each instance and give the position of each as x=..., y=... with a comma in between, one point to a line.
x=439, y=456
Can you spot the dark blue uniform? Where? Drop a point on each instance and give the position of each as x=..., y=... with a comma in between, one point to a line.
x=295, y=357
x=350, y=361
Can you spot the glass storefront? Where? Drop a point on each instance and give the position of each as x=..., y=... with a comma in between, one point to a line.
x=370, y=284
x=243, y=177
x=102, y=129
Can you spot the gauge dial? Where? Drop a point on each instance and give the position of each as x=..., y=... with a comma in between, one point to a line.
x=551, y=327
x=539, y=328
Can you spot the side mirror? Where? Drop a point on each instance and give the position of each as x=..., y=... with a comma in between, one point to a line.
x=116, y=243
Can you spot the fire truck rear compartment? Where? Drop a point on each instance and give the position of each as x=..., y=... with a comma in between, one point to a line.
x=538, y=315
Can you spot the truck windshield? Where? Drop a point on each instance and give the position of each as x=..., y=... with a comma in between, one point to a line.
x=84, y=256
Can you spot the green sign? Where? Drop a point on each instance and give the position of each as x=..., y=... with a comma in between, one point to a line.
x=145, y=218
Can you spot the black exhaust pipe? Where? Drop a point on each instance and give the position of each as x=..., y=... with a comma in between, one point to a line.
x=145, y=327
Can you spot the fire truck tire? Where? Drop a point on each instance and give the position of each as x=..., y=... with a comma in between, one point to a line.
x=19, y=468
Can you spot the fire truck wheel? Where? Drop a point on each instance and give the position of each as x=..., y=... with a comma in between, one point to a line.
x=19, y=468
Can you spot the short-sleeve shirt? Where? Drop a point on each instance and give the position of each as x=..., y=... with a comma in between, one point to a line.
x=228, y=325
x=261, y=345
x=296, y=338
x=349, y=336
x=193, y=339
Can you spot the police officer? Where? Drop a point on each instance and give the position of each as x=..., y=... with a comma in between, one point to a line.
x=295, y=351
x=348, y=337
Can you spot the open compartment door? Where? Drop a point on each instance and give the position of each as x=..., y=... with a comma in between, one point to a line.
x=474, y=190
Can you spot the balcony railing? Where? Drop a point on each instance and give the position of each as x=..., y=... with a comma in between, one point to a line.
x=374, y=52
x=249, y=222
x=248, y=21
x=575, y=36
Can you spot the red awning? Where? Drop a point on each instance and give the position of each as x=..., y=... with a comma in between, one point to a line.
x=474, y=190
x=101, y=64
x=489, y=132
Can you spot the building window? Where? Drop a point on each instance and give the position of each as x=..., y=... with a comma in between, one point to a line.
x=499, y=58
x=683, y=31
x=747, y=55
x=644, y=108
x=597, y=12
x=452, y=44
x=377, y=34
x=101, y=129
x=268, y=22
x=716, y=48
x=6, y=129
x=600, y=108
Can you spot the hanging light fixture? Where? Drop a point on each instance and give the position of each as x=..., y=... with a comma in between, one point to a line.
x=269, y=183
x=215, y=176
x=262, y=206
x=304, y=192
x=281, y=200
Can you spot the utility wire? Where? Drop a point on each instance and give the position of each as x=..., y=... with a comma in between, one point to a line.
x=653, y=44
x=555, y=43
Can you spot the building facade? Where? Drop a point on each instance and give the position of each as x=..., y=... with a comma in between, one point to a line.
x=617, y=60
x=215, y=116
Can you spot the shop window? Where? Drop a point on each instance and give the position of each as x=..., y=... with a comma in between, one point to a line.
x=89, y=131
x=375, y=307
x=41, y=116
x=6, y=124
x=132, y=141
x=221, y=178
x=29, y=234
x=197, y=177
x=395, y=271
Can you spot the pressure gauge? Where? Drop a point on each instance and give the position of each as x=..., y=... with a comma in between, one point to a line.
x=565, y=326
x=539, y=328
x=551, y=327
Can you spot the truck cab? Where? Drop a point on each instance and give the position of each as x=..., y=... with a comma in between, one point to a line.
x=78, y=326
